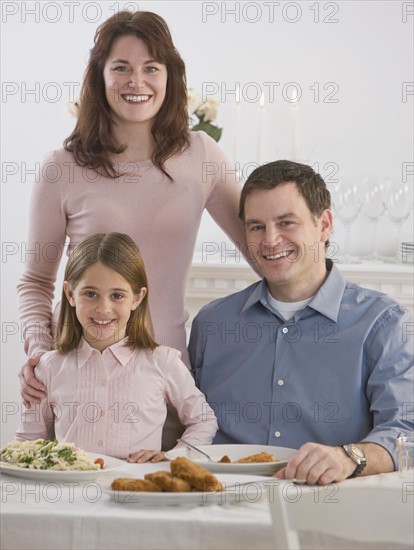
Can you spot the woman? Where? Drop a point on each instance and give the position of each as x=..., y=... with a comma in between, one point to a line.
x=131, y=166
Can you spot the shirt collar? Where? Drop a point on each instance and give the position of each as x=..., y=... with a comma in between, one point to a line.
x=327, y=300
x=120, y=351
x=256, y=295
x=329, y=297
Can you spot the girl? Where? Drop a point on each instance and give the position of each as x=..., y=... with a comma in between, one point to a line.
x=108, y=381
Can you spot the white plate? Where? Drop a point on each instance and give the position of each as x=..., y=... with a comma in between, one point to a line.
x=237, y=489
x=111, y=464
x=235, y=452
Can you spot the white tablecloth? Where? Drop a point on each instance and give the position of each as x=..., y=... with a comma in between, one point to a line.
x=62, y=516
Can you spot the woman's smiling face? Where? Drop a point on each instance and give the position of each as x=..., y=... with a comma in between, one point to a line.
x=135, y=83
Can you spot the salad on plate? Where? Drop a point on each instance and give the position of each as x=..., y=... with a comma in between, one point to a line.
x=42, y=454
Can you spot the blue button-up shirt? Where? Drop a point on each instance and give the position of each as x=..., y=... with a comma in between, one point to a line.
x=340, y=371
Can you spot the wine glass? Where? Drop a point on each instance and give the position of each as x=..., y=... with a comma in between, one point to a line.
x=374, y=207
x=399, y=203
x=347, y=202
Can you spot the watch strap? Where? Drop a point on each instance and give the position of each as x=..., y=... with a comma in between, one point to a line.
x=358, y=470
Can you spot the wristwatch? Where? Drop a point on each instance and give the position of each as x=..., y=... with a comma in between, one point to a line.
x=358, y=456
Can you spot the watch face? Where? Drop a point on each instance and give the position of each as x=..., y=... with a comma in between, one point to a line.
x=357, y=451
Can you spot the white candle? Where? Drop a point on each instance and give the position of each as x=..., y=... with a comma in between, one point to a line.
x=261, y=130
x=236, y=125
x=295, y=114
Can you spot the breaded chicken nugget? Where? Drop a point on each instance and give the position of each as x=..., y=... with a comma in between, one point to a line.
x=169, y=483
x=133, y=484
x=261, y=457
x=195, y=475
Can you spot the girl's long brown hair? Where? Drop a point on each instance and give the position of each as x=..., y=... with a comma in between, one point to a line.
x=91, y=142
x=119, y=252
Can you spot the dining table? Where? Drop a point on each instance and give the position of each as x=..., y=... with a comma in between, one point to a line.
x=46, y=514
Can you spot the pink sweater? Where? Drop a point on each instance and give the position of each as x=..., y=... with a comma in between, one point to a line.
x=162, y=217
x=115, y=402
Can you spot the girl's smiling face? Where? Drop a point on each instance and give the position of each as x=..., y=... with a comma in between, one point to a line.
x=104, y=301
x=135, y=83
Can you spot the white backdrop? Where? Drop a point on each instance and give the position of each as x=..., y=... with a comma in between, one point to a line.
x=351, y=62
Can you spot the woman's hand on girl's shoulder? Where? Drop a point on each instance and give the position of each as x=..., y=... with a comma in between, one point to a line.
x=146, y=456
x=31, y=390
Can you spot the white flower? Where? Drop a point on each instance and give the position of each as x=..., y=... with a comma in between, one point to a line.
x=205, y=112
x=208, y=109
x=193, y=101
x=72, y=108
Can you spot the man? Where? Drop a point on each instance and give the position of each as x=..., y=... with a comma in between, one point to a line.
x=303, y=358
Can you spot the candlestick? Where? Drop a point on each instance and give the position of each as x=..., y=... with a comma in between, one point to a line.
x=236, y=125
x=261, y=130
x=295, y=115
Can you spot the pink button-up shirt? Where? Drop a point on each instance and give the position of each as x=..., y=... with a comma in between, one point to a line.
x=114, y=402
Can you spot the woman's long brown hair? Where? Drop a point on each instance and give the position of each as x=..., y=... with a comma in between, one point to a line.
x=91, y=142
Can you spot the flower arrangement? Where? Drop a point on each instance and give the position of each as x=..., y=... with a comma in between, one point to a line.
x=205, y=111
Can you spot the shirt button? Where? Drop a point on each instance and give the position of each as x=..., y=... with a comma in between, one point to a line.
x=277, y=434
x=285, y=330
x=102, y=413
x=280, y=382
x=103, y=383
x=100, y=443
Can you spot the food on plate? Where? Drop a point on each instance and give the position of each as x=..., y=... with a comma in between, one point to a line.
x=41, y=454
x=169, y=483
x=133, y=484
x=185, y=477
x=252, y=459
x=261, y=457
x=195, y=475
x=100, y=462
x=225, y=460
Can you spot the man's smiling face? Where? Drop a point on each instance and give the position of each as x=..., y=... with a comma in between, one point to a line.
x=286, y=241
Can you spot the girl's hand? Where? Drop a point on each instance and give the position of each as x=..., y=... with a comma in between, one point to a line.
x=31, y=390
x=146, y=456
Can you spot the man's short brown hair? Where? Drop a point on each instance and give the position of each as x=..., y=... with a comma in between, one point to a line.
x=309, y=183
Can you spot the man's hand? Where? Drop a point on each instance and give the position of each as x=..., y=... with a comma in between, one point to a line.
x=146, y=456
x=318, y=465
x=31, y=390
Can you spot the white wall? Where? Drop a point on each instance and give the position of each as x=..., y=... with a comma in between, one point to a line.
x=366, y=55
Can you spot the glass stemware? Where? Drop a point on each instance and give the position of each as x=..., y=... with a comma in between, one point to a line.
x=399, y=203
x=374, y=207
x=347, y=201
